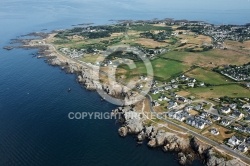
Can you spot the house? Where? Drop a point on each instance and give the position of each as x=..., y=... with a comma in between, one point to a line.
x=155, y=92
x=248, y=84
x=202, y=84
x=195, y=123
x=172, y=104
x=247, y=130
x=168, y=87
x=193, y=80
x=233, y=106
x=246, y=106
x=179, y=116
x=191, y=85
x=175, y=86
x=214, y=131
x=171, y=114
x=160, y=99
x=225, y=110
x=182, y=99
x=216, y=118
x=155, y=103
x=234, y=141
x=225, y=122
x=163, y=98
x=200, y=125
x=160, y=89
x=139, y=86
x=247, y=119
x=143, y=78
x=243, y=147
x=173, y=81
x=205, y=115
x=198, y=107
x=237, y=114
x=188, y=108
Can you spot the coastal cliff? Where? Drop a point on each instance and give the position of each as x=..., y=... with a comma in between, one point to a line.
x=187, y=149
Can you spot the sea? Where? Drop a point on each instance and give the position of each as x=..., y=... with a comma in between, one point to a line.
x=34, y=100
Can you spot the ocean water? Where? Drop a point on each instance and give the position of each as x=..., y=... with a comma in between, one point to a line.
x=34, y=102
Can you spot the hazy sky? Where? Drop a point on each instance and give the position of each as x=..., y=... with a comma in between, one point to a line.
x=225, y=10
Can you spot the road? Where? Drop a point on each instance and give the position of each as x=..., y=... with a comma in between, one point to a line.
x=216, y=145
x=199, y=136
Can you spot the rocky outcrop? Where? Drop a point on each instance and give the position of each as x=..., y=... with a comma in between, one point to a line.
x=212, y=159
x=131, y=121
x=123, y=131
x=198, y=146
x=182, y=158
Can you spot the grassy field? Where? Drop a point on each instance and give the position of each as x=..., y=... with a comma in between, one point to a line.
x=163, y=69
x=92, y=58
x=207, y=76
x=211, y=59
x=218, y=138
x=148, y=27
x=219, y=91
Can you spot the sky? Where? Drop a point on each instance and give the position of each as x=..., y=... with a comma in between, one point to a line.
x=124, y=9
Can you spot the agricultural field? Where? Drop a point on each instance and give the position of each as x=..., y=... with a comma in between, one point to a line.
x=211, y=59
x=163, y=69
x=232, y=90
x=207, y=76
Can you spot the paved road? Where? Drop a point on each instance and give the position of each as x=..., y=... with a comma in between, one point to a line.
x=199, y=136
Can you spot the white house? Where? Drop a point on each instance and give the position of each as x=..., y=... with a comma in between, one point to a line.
x=225, y=122
x=225, y=110
x=234, y=141
x=172, y=104
x=191, y=85
x=214, y=131
x=195, y=123
x=243, y=147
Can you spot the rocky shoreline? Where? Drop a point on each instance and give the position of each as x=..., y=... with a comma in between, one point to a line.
x=187, y=149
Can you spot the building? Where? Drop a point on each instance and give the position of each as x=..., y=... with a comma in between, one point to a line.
x=248, y=84
x=216, y=118
x=179, y=116
x=195, y=123
x=155, y=103
x=172, y=104
x=182, y=99
x=225, y=122
x=214, y=131
x=191, y=85
x=237, y=114
x=234, y=141
x=225, y=110
x=243, y=147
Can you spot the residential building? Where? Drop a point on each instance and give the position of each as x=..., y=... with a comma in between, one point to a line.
x=234, y=141
x=225, y=110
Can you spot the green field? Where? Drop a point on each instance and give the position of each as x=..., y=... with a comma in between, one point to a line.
x=163, y=69
x=207, y=76
x=176, y=55
x=148, y=27
x=220, y=91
